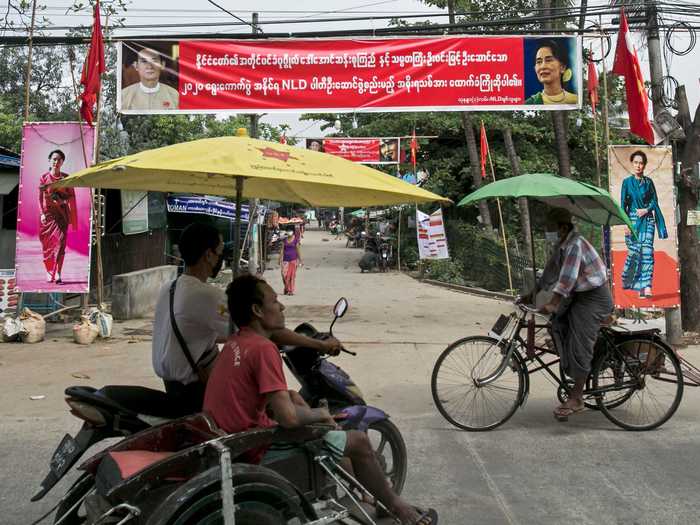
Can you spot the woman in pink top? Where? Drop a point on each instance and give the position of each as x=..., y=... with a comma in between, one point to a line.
x=290, y=257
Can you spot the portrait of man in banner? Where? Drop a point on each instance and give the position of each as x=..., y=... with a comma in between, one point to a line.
x=53, y=224
x=314, y=145
x=389, y=150
x=550, y=71
x=645, y=258
x=149, y=76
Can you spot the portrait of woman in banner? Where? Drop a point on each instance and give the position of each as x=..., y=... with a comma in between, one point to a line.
x=551, y=79
x=58, y=212
x=640, y=201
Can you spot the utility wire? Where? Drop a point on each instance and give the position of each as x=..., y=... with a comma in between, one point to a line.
x=255, y=29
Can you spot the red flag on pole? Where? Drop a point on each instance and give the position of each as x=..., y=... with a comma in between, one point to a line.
x=92, y=69
x=592, y=82
x=484, y=150
x=627, y=65
x=414, y=150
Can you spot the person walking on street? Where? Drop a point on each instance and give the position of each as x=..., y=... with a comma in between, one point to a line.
x=290, y=258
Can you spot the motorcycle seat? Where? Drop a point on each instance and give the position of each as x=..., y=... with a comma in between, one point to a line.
x=128, y=399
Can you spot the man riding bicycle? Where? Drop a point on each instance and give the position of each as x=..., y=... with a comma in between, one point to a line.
x=581, y=300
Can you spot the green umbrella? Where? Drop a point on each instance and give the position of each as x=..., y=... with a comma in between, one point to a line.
x=585, y=201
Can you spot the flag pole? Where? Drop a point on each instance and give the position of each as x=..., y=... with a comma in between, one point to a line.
x=97, y=199
x=500, y=218
x=29, y=63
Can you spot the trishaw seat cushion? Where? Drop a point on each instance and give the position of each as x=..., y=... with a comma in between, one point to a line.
x=118, y=466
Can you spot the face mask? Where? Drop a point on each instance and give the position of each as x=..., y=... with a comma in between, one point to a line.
x=217, y=267
x=551, y=236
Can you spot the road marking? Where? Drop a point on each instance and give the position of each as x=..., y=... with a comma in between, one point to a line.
x=500, y=497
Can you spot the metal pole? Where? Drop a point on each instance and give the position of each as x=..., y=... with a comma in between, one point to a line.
x=253, y=252
x=237, y=229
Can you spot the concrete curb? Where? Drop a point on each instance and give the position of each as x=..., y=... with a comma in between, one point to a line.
x=468, y=289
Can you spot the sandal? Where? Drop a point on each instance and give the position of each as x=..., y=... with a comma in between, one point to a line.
x=562, y=413
x=427, y=517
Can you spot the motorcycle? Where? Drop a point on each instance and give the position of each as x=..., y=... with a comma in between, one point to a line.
x=325, y=382
x=122, y=411
x=385, y=256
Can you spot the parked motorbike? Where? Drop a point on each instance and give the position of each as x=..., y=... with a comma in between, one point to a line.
x=385, y=255
x=120, y=411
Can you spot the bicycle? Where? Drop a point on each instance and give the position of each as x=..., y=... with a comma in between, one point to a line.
x=479, y=382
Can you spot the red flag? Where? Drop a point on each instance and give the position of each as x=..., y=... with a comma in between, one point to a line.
x=627, y=65
x=592, y=82
x=414, y=150
x=283, y=138
x=92, y=69
x=484, y=150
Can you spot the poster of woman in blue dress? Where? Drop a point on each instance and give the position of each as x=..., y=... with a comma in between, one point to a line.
x=640, y=201
x=644, y=259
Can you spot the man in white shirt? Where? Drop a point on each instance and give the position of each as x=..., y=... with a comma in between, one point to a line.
x=202, y=317
x=149, y=93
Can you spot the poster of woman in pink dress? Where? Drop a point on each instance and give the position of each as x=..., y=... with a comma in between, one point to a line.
x=53, y=225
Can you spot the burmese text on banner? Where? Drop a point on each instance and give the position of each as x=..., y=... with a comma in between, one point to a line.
x=432, y=242
x=417, y=74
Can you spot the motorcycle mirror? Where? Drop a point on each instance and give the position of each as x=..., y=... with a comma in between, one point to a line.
x=341, y=307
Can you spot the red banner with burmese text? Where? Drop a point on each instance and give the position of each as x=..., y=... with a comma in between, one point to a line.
x=424, y=74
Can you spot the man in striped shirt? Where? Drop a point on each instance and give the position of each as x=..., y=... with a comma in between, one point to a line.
x=580, y=301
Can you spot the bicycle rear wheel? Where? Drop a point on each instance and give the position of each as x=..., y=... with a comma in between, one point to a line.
x=464, y=403
x=644, y=382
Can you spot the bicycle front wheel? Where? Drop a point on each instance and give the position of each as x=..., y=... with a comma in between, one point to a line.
x=461, y=399
x=642, y=384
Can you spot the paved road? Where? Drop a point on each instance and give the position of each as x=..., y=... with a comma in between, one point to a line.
x=531, y=470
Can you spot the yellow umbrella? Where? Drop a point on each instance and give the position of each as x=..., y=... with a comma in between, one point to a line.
x=262, y=170
x=270, y=171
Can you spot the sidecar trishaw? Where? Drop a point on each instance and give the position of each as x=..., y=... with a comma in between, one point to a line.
x=188, y=471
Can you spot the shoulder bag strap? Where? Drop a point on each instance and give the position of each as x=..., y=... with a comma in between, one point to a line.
x=178, y=334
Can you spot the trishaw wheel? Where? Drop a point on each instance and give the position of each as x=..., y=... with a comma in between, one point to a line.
x=642, y=383
x=458, y=397
x=207, y=511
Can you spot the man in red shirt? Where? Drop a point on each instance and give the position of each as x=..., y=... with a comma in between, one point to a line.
x=248, y=379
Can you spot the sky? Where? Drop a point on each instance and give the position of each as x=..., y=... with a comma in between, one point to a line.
x=685, y=69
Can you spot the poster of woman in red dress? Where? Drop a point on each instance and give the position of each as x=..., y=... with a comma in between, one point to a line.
x=53, y=224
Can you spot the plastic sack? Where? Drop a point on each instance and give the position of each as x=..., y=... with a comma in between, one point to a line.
x=85, y=332
x=10, y=329
x=103, y=321
x=33, y=327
